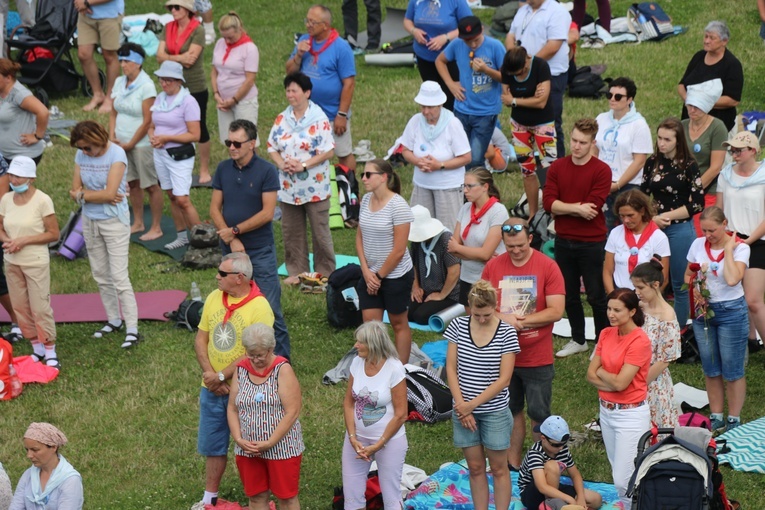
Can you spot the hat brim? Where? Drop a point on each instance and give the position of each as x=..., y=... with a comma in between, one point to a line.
x=425, y=231
x=736, y=144
x=167, y=75
x=430, y=101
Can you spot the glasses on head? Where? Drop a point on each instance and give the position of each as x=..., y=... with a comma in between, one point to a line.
x=172, y=8
x=85, y=148
x=237, y=145
x=736, y=151
x=470, y=186
x=513, y=229
x=617, y=97
x=224, y=274
x=312, y=23
x=368, y=175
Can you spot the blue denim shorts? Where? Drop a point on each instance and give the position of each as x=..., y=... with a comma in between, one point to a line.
x=723, y=344
x=213, y=437
x=493, y=430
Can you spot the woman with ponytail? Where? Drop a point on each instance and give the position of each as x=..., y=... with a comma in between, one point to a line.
x=478, y=233
x=386, y=266
x=663, y=330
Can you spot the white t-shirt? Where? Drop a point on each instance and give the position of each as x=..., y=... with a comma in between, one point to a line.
x=532, y=30
x=471, y=270
x=718, y=289
x=616, y=146
x=373, y=404
x=616, y=244
x=449, y=144
x=744, y=207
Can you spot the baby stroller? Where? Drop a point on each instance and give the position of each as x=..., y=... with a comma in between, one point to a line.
x=44, y=51
x=678, y=472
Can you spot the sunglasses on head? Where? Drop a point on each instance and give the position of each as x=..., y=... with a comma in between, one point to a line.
x=368, y=175
x=617, y=97
x=237, y=145
x=512, y=229
x=224, y=274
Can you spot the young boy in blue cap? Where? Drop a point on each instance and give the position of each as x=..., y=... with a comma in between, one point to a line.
x=546, y=460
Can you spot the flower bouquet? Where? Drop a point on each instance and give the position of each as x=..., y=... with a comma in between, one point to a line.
x=699, y=293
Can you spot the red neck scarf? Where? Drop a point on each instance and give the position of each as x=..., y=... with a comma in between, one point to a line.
x=475, y=218
x=230, y=309
x=247, y=365
x=715, y=261
x=333, y=35
x=242, y=40
x=634, y=247
x=174, y=42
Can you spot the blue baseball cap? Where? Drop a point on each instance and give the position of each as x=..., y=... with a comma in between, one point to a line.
x=554, y=428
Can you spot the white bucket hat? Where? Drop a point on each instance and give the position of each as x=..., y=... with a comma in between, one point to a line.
x=23, y=166
x=430, y=94
x=424, y=227
x=170, y=69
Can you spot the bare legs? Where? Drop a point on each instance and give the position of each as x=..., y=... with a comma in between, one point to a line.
x=100, y=97
x=155, y=203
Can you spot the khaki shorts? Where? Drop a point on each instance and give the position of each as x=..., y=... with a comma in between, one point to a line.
x=247, y=109
x=141, y=167
x=106, y=32
x=343, y=143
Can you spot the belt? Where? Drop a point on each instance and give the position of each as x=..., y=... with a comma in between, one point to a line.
x=613, y=405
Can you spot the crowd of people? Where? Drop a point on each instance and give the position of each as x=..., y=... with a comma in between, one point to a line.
x=635, y=222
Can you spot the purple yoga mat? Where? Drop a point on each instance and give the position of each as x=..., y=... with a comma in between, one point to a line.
x=88, y=307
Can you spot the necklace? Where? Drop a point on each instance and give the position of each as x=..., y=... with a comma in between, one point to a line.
x=696, y=130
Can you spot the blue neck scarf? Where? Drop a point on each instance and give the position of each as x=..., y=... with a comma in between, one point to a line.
x=758, y=177
x=431, y=132
x=427, y=249
x=120, y=92
x=63, y=471
x=161, y=104
x=311, y=115
x=613, y=131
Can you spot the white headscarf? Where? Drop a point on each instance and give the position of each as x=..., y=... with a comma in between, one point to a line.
x=704, y=95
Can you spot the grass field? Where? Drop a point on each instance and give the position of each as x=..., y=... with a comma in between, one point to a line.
x=131, y=417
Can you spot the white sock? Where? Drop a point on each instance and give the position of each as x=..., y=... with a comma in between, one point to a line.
x=183, y=235
x=208, y=497
x=115, y=322
x=38, y=348
x=131, y=330
x=209, y=27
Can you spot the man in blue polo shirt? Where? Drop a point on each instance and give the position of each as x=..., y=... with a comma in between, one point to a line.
x=477, y=94
x=242, y=207
x=327, y=59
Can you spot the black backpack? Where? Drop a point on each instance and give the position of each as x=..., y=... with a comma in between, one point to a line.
x=342, y=313
x=348, y=194
x=587, y=84
x=428, y=396
x=188, y=314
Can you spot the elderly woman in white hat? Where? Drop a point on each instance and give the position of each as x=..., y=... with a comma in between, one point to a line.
x=27, y=224
x=741, y=195
x=705, y=135
x=436, y=145
x=174, y=128
x=436, y=271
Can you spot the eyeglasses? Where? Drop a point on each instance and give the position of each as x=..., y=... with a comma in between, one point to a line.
x=312, y=23
x=172, y=8
x=86, y=148
x=736, y=151
x=513, y=229
x=237, y=145
x=368, y=175
x=224, y=274
x=617, y=97
x=470, y=186
x=259, y=356
x=162, y=79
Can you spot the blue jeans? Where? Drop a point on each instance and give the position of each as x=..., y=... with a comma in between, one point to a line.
x=723, y=343
x=493, y=430
x=681, y=236
x=264, y=273
x=479, y=129
x=580, y=259
x=557, y=89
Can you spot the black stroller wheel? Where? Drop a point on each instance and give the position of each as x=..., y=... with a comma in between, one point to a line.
x=87, y=90
x=42, y=95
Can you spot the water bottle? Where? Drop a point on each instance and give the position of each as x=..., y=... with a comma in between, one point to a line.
x=196, y=294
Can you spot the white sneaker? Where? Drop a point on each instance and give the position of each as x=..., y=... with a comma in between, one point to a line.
x=570, y=349
x=178, y=243
x=209, y=38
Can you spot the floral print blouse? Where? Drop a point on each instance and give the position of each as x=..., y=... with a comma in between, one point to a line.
x=673, y=187
x=303, y=143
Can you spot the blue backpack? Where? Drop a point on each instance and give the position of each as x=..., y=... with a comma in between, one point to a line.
x=649, y=22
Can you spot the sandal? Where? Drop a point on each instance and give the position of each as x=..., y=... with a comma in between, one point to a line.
x=107, y=329
x=312, y=283
x=14, y=335
x=56, y=364
x=38, y=358
x=131, y=339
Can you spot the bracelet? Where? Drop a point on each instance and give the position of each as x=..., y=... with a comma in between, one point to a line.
x=447, y=38
x=379, y=277
x=342, y=114
x=236, y=101
x=38, y=137
x=351, y=435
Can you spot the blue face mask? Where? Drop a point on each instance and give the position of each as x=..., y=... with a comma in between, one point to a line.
x=21, y=188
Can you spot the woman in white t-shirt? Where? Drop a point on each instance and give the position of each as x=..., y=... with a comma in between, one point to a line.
x=375, y=409
x=717, y=263
x=741, y=195
x=633, y=242
x=27, y=225
x=386, y=265
x=436, y=145
x=478, y=233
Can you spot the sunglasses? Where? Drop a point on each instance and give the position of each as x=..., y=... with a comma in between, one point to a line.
x=368, y=175
x=86, y=148
x=172, y=8
x=311, y=22
x=513, y=229
x=237, y=145
x=736, y=151
x=224, y=274
x=617, y=97
x=556, y=445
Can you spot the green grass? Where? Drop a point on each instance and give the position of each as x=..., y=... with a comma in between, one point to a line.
x=131, y=417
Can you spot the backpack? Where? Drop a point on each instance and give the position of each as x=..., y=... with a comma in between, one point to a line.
x=430, y=400
x=348, y=194
x=204, y=235
x=689, y=351
x=587, y=84
x=202, y=258
x=343, y=312
x=649, y=22
x=188, y=314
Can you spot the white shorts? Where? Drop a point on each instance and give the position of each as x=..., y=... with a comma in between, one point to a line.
x=247, y=110
x=343, y=143
x=173, y=175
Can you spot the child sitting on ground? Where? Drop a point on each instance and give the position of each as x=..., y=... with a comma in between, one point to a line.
x=546, y=460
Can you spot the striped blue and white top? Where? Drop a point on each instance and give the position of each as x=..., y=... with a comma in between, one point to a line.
x=377, y=233
x=260, y=411
x=478, y=367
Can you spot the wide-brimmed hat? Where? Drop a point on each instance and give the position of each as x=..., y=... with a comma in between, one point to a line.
x=743, y=140
x=170, y=69
x=554, y=428
x=430, y=94
x=23, y=166
x=186, y=4
x=424, y=227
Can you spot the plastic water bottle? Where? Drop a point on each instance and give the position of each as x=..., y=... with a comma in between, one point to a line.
x=196, y=294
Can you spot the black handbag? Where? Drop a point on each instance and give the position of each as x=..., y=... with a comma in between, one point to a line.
x=182, y=152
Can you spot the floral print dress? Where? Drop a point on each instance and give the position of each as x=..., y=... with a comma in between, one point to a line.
x=665, y=346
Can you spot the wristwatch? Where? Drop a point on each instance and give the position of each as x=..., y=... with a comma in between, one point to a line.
x=221, y=377
x=305, y=167
x=513, y=103
x=235, y=230
x=443, y=167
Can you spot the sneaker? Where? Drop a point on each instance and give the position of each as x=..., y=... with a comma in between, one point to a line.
x=178, y=243
x=570, y=349
x=716, y=424
x=209, y=38
x=731, y=424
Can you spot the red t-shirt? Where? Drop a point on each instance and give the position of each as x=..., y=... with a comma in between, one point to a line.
x=523, y=291
x=615, y=352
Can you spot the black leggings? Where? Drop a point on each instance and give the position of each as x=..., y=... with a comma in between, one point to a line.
x=428, y=71
x=202, y=98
